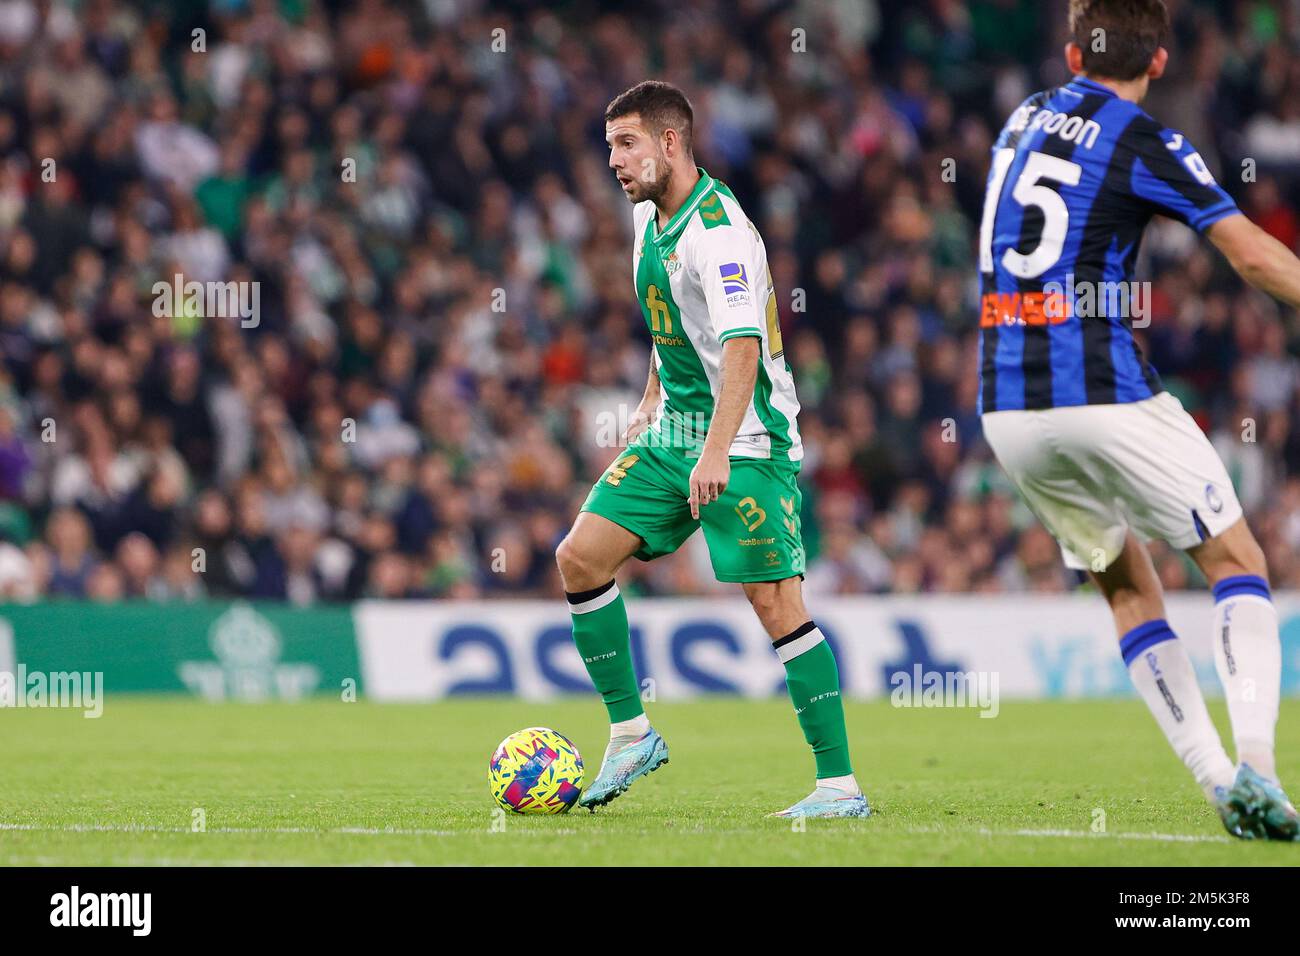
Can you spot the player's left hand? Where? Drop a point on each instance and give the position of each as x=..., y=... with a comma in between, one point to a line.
x=709, y=480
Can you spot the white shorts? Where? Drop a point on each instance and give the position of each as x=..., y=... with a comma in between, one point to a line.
x=1092, y=472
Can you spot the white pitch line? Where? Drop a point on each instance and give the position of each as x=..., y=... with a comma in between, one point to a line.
x=144, y=828
x=1088, y=835
x=1077, y=834
x=343, y=831
x=165, y=861
x=394, y=831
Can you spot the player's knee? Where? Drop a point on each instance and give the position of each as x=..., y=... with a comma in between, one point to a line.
x=1249, y=557
x=1231, y=554
x=775, y=610
x=577, y=568
x=764, y=600
x=1135, y=605
x=568, y=558
x=1245, y=556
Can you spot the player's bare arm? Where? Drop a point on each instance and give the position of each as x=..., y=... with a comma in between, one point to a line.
x=644, y=415
x=711, y=473
x=1259, y=258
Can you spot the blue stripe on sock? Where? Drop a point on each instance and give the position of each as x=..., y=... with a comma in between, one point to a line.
x=1242, y=584
x=1132, y=644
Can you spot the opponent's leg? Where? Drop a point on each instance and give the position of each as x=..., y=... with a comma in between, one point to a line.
x=814, y=684
x=1247, y=653
x=1160, y=668
x=1248, y=658
x=588, y=557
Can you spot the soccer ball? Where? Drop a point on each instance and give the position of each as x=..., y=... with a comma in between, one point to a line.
x=536, y=771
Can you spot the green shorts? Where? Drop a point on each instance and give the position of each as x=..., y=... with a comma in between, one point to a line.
x=752, y=531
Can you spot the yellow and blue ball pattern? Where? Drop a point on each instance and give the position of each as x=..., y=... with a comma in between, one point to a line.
x=536, y=771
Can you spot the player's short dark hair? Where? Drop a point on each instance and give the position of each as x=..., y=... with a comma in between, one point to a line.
x=661, y=106
x=1118, y=37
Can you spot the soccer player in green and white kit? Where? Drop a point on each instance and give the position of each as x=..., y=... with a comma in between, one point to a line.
x=714, y=442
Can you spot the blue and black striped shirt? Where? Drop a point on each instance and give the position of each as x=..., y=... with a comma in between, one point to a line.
x=1076, y=175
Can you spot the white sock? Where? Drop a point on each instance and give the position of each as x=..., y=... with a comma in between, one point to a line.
x=1163, y=674
x=848, y=784
x=636, y=727
x=1248, y=657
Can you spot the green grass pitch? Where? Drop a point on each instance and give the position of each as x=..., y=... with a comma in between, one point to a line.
x=328, y=782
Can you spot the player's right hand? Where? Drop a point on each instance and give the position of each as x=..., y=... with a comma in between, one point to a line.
x=709, y=479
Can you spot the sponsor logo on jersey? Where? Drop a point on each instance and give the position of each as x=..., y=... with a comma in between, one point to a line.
x=734, y=278
x=1212, y=499
x=1022, y=308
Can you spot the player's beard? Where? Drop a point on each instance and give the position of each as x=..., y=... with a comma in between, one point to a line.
x=654, y=190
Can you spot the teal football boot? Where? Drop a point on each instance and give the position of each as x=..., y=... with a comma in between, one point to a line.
x=623, y=764
x=1230, y=817
x=1256, y=808
x=828, y=802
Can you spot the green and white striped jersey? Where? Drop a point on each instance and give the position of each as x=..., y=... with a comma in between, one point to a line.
x=701, y=280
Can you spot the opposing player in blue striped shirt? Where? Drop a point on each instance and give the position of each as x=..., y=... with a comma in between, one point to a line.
x=1101, y=452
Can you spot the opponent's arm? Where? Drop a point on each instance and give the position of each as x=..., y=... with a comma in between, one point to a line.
x=1169, y=174
x=712, y=472
x=1260, y=259
x=644, y=416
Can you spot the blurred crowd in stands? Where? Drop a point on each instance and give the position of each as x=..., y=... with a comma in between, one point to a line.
x=445, y=325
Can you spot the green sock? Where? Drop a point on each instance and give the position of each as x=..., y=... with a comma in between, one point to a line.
x=600, y=631
x=814, y=684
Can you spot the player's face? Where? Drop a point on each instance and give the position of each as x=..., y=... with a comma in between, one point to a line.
x=637, y=159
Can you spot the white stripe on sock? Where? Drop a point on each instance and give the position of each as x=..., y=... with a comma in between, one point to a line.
x=596, y=603
x=800, y=645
